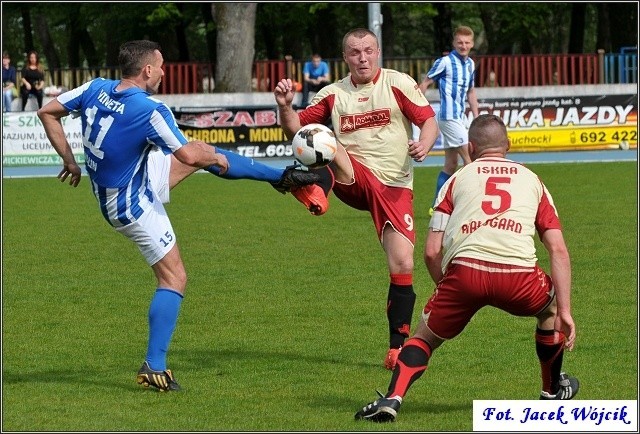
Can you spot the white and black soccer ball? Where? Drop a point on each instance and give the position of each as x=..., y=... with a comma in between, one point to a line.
x=314, y=145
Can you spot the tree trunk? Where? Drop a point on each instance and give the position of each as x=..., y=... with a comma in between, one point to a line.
x=625, y=33
x=181, y=36
x=388, y=34
x=28, y=31
x=73, y=45
x=442, y=28
x=89, y=49
x=50, y=52
x=491, y=28
x=235, y=45
x=321, y=36
x=207, y=17
x=603, y=39
x=576, y=34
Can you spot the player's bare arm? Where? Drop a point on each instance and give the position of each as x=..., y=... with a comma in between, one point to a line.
x=284, y=93
x=472, y=97
x=560, y=263
x=424, y=85
x=50, y=116
x=428, y=135
x=433, y=253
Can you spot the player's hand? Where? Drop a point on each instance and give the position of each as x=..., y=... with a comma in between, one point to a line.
x=417, y=151
x=222, y=163
x=564, y=322
x=71, y=169
x=284, y=92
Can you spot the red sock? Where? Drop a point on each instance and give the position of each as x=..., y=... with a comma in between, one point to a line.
x=550, y=348
x=412, y=362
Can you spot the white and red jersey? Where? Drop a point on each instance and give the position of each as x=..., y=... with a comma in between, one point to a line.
x=495, y=205
x=373, y=121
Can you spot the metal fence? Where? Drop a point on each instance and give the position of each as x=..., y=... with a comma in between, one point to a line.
x=621, y=67
x=491, y=70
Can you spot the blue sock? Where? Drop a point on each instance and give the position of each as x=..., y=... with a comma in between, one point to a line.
x=442, y=178
x=241, y=167
x=163, y=315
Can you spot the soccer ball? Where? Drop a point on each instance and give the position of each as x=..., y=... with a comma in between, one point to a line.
x=314, y=145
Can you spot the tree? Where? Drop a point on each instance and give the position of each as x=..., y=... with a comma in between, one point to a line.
x=443, y=34
x=625, y=33
x=576, y=33
x=209, y=28
x=235, y=45
x=49, y=49
x=77, y=34
x=603, y=40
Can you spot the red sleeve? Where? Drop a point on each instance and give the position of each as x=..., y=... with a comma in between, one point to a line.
x=446, y=206
x=546, y=217
x=318, y=113
x=415, y=113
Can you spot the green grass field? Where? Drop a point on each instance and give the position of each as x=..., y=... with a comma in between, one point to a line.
x=283, y=327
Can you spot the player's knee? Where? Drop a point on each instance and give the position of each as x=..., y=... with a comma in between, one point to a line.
x=402, y=266
x=546, y=318
x=182, y=279
x=424, y=333
x=177, y=280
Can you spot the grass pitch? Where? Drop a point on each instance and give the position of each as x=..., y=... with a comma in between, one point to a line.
x=283, y=327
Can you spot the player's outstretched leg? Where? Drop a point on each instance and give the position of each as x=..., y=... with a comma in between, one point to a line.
x=380, y=410
x=412, y=363
x=294, y=177
x=315, y=197
x=241, y=167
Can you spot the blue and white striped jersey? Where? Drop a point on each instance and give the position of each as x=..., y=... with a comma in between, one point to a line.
x=454, y=77
x=119, y=130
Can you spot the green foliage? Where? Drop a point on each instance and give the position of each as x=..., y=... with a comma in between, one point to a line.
x=412, y=29
x=165, y=14
x=298, y=29
x=283, y=325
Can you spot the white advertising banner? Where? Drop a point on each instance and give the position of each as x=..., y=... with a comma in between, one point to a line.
x=25, y=143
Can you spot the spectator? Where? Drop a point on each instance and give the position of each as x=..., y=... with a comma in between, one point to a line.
x=491, y=81
x=9, y=82
x=315, y=77
x=32, y=79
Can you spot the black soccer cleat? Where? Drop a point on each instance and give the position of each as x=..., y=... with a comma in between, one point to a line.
x=567, y=388
x=162, y=380
x=293, y=176
x=380, y=410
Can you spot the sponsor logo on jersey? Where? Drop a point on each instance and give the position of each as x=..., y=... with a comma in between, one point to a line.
x=372, y=119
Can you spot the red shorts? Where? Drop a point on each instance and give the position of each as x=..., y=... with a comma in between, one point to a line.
x=470, y=284
x=387, y=205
